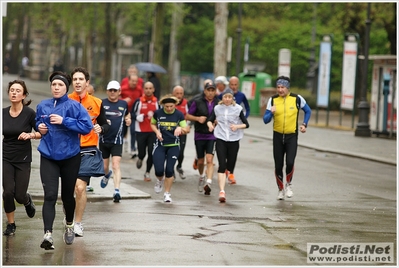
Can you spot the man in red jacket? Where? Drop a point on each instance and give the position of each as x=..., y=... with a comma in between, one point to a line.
x=130, y=92
x=143, y=110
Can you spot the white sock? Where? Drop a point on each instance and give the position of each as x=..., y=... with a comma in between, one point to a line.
x=209, y=181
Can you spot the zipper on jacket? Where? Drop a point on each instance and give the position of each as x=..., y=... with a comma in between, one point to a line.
x=285, y=98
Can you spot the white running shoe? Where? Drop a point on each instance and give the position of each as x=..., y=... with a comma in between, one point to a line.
x=78, y=229
x=280, y=195
x=288, y=191
x=167, y=197
x=48, y=242
x=158, y=186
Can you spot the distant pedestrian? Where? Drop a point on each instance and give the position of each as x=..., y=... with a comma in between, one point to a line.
x=178, y=92
x=152, y=77
x=89, y=142
x=221, y=84
x=199, y=111
x=284, y=108
x=18, y=122
x=111, y=143
x=24, y=66
x=58, y=66
x=143, y=110
x=61, y=121
x=90, y=90
x=7, y=63
x=230, y=122
x=132, y=70
x=168, y=124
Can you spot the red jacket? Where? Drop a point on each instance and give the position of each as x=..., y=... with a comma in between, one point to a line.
x=182, y=107
x=146, y=106
x=132, y=93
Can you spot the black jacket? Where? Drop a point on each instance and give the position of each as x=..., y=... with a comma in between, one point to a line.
x=202, y=110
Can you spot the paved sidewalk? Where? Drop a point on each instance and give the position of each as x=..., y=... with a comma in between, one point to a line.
x=336, y=138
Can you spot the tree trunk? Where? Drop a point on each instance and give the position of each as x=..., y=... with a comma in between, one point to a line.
x=15, y=64
x=173, y=69
x=157, y=33
x=107, y=43
x=220, y=51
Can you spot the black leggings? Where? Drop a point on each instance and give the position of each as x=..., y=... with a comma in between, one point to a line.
x=183, y=139
x=145, y=140
x=284, y=144
x=227, y=152
x=15, y=184
x=50, y=171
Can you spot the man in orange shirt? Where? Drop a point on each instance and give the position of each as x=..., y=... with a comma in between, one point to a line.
x=80, y=81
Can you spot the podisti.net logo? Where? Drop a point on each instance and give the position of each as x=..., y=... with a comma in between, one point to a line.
x=370, y=253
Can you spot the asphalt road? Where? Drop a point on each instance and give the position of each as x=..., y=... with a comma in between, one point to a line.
x=337, y=199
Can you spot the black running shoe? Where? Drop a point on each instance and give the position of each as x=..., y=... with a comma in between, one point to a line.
x=207, y=189
x=139, y=163
x=10, y=230
x=117, y=197
x=48, y=242
x=30, y=208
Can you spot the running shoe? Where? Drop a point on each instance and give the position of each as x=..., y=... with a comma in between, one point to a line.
x=69, y=234
x=222, y=197
x=288, y=191
x=231, y=179
x=147, y=176
x=201, y=183
x=78, y=229
x=195, y=164
x=280, y=195
x=181, y=173
x=139, y=163
x=89, y=188
x=207, y=189
x=158, y=186
x=48, y=242
x=133, y=153
x=117, y=197
x=30, y=208
x=167, y=197
x=105, y=179
x=10, y=229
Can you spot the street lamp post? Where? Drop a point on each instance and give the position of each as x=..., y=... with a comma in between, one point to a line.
x=363, y=127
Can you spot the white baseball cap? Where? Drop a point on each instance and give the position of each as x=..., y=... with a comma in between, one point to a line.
x=113, y=85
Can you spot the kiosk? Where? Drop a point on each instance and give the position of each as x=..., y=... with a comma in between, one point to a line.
x=383, y=95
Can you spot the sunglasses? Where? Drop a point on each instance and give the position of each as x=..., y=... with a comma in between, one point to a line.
x=113, y=90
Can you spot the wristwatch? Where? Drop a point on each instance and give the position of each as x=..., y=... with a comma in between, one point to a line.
x=304, y=124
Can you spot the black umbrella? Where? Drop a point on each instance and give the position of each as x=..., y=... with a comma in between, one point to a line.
x=150, y=67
